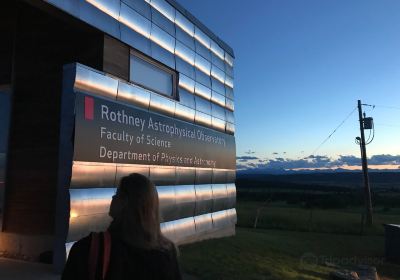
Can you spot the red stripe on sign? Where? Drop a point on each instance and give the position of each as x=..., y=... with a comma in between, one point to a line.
x=89, y=108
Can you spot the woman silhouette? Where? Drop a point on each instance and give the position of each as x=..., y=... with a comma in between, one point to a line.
x=133, y=247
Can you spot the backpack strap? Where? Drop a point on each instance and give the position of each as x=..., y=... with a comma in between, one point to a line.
x=95, y=251
x=93, y=255
x=106, y=252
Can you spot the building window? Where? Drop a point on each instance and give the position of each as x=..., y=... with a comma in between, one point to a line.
x=152, y=75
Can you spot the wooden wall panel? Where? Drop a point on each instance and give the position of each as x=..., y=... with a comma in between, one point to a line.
x=7, y=25
x=116, y=58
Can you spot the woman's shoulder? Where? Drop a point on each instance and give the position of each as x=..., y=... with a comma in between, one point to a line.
x=153, y=263
x=168, y=262
x=156, y=255
x=166, y=249
x=82, y=244
x=76, y=267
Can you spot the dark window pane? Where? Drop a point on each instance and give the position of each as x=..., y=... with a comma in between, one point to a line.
x=150, y=76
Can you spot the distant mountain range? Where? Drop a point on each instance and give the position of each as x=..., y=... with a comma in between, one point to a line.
x=270, y=171
x=345, y=178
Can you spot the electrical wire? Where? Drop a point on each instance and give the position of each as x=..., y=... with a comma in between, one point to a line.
x=373, y=134
x=369, y=136
x=333, y=132
x=373, y=124
x=369, y=140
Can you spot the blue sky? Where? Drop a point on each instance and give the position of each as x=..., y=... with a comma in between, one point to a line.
x=300, y=68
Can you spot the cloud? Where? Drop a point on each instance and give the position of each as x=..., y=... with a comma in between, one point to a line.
x=246, y=158
x=241, y=166
x=348, y=160
x=373, y=160
x=310, y=162
x=314, y=162
x=384, y=159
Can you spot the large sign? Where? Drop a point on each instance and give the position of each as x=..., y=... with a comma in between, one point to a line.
x=113, y=132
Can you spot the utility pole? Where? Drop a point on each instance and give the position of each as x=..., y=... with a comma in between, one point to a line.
x=367, y=191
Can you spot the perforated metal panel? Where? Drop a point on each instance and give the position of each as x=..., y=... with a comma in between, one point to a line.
x=163, y=7
x=204, y=199
x=184, y=112
x=203, y=223
x=184, y=228
x=167, y=203
x=110, y=7
x=230, y=176
x=93, y=82
x=203, y=105
x=203, y=176
x=218, y=124
x=162, y=38
x=185, y=38
x=231, y=195
x=185, y=53
x=202, y=91
x=136, y=40
x=217, y=50
x=202, y=64
x=163, y=22
x=184, y=23
x=139, y=6
x=202, y=37
x=185, y=200
x=89, y=174
x=219, y=176
x=186, y=83
x=135, y=21
x=185, y=175
x=202, y=118
x=221, y=219
x=132, y=94
x=218, y=99
x=186, y=98
x=220, y=197
x=161, y=104
x=163, y=175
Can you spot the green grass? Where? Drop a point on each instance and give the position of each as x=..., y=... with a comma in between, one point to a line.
x=288, y=245
x=277, y=254
x=282, y=216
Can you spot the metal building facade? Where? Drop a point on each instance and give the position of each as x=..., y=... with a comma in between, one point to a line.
x=197, y=199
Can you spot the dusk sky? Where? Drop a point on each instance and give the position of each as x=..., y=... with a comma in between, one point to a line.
x=300, y=68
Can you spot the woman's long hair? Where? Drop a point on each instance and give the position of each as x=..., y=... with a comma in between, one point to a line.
x=135, y=214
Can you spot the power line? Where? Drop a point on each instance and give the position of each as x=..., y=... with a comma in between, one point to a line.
x=333, y=132
x=369, y=140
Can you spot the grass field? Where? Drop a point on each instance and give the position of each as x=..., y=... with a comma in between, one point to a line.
x=289, y=244
x=278, y=254
x=279, y=215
